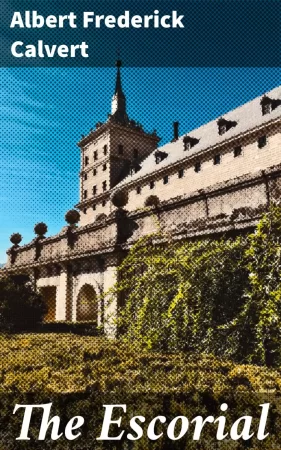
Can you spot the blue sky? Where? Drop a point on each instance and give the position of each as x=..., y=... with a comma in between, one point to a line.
x=44, y=111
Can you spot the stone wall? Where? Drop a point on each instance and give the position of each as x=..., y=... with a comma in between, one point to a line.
x=91, y=257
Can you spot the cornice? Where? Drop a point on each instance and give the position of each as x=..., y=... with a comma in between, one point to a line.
x=94, y=134
x=94, y=199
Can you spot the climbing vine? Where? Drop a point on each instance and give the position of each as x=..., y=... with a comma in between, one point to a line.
x=219, y=296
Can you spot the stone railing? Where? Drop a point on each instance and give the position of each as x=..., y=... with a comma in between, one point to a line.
x=225, y=208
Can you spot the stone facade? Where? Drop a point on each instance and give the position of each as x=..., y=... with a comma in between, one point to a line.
x=240, y=174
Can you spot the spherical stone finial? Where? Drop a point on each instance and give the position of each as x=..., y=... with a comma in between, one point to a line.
x=72, y=217
x=16, y=238
x=152, y=201
x=40, y=229
x=120, y=199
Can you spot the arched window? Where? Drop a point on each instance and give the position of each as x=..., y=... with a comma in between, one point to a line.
x=87, y=305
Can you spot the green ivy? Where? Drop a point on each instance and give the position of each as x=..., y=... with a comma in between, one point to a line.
x=219, y=296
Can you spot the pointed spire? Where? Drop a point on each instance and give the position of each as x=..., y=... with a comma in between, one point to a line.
x=118, y=85
x=118, y=106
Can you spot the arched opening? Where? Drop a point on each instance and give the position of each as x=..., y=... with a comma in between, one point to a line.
x=87, y=305
x=49, y=294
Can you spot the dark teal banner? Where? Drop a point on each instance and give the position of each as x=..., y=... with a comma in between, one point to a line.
x=160, y=33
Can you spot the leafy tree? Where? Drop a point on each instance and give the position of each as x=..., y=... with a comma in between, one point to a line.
x=21, y=308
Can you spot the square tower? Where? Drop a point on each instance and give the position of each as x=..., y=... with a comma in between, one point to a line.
x=108, y=154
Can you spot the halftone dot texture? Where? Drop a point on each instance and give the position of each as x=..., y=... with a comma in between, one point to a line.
x=130, y=252
x=70, y=361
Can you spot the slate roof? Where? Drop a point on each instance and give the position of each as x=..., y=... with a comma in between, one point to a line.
x=248, y=116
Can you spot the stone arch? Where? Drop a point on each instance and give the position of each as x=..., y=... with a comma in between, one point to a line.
x=87, y=303
x=49, y=294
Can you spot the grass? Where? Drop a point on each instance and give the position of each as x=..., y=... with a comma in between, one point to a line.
x=67, y=363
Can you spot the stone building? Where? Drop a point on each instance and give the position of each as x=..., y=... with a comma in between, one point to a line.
x=218, y=178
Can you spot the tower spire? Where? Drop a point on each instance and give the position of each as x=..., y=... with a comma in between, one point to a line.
x=118, y=85
x=118, y=106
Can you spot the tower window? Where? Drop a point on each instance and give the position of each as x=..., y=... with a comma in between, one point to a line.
x=120, y=149
x=159, y=156
x=268, y=104
x=217, y=159
x=189, y=142
x=85, y=210
x=237, y=151
x=266, y=108
x=94, y=172
x=94, y=207
x=262, y=141
x=95, y=155
x=85, y=176
x=86, y=160
x=85, y=194
x=136, y=153
x=222, y=129
x=197, y=167
x=166, y=179
x=94, y=190
x=180, y=173
x=225, y=125
x=103, y=203
x=104, y=186
x=152, y=184
x=138, y=190
x=105, y=149
x=104, y=167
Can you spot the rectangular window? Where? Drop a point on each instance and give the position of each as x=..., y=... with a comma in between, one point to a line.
x=105, y=149
x=104, y=167
x=120, y=149
x=266, y=108
x=151, y=184
x=180, y=173
x=94, y=172
x=217, y=159
x=104, y=186
x=85, y=194
x=197, y=167
x=86, y=160
x=222, y=129
x=95, y=155
x=103, y=203
x=85, y=176
x=138, y=190
x=166, y=179
x=237, y=151
x=94, y=207
x=85, y=210
x=262, y=141
x=94, y=190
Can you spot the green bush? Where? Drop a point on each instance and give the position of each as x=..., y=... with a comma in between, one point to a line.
x=20, y=307
x=88, y=328
x=220, y=296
